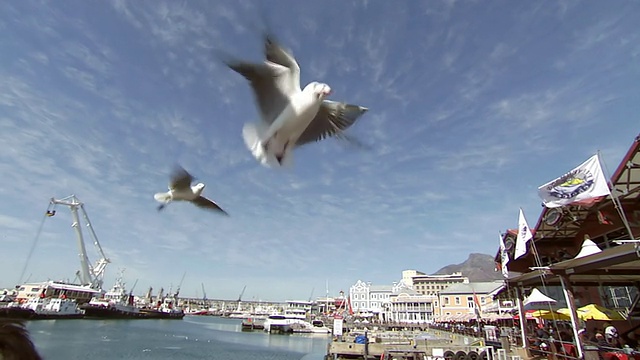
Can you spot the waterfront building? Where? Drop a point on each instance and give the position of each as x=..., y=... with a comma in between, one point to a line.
x=408, y=275
x=368, y=300
x=298, y=308
x=497, y=305
x=396, y=303
x=413, y=299
x=460, y=301
x=584, y=252
x=329, y=305
x=433, y=284
x=410, y=307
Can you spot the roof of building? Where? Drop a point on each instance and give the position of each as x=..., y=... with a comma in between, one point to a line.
x=455, y=275
x=406, y=291
x=380, y=288
x=473, y=287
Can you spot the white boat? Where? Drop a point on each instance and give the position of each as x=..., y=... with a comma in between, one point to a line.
x=314, y=327
x=53, y=308
x=296, y=314
x=196, y=311
x=318, y=327
x=240, y=314
x=282, y=324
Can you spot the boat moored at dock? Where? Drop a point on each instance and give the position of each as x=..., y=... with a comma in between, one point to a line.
x=53, y=308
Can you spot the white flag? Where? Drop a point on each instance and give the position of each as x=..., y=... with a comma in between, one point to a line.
x=585, y=182
x=504, y=258
x=524, y=235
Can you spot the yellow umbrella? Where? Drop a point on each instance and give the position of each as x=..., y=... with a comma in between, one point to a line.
x=595, y=312
x=550, y=315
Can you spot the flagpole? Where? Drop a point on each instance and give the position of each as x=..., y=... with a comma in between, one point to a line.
x=534, y=249
x=536, y=256
x=616, y=202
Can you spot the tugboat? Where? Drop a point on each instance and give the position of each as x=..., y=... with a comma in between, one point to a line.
x=118, y=304
x=165, y=307
x=53, y=308
x=15, y=311
x=115, y=304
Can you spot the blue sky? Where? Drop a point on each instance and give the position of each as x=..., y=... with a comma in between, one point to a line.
x=473, y=105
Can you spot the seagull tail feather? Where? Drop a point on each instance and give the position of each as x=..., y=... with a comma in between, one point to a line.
x=162, y=197
x=287, y=159
x=253, y=133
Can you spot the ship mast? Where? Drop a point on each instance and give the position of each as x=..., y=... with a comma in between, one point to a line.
x=91, y=276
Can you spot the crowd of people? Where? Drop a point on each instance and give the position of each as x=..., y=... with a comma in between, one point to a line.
x=550, y=336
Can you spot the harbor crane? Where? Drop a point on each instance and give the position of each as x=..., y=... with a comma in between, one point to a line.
x=89, y=275
x=240, y=298
x=242, y=293
x=179, y=286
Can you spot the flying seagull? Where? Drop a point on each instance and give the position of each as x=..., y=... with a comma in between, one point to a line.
x=180, y=189
x=290, y=116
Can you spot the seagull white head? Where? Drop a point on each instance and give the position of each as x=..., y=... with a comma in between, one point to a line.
x=320, y=90
x=197, y=188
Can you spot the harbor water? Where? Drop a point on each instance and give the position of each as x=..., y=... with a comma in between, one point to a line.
x=194, y=337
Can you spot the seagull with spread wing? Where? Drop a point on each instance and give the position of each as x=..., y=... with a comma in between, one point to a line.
x=180, y=189
x=290, y=116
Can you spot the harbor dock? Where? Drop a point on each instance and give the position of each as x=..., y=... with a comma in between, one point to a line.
x=408, y=345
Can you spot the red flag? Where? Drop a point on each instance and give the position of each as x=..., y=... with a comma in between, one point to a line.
x=478, y=310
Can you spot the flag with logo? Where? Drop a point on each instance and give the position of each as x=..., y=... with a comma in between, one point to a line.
x=524, y=235
x=504, y=258
x=585, y=184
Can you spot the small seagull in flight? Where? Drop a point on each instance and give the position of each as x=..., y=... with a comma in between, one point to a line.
x=290, y=116
x=180, y=189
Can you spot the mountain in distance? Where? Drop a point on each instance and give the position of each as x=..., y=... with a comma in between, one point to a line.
x=478, y=268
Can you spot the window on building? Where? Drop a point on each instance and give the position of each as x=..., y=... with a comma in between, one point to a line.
x=457, y=300
x=446, y=301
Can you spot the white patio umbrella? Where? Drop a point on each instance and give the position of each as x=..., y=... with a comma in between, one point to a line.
x=537, y=300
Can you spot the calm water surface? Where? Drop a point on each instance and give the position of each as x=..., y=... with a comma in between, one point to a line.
x=194, y=337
